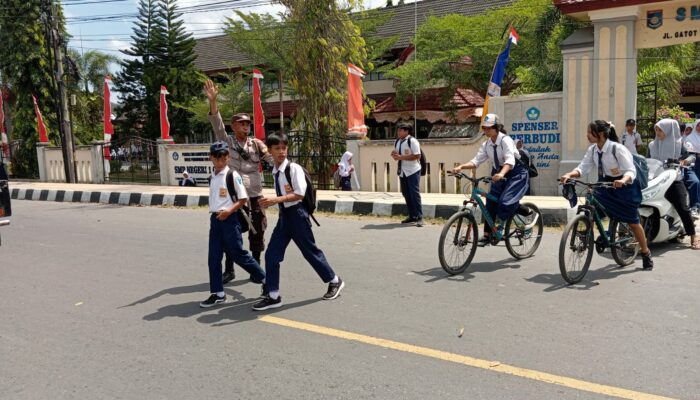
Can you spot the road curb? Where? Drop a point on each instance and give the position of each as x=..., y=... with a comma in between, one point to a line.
x=551, y=216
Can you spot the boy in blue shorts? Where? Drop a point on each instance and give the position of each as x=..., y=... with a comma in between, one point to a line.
x=225, y=230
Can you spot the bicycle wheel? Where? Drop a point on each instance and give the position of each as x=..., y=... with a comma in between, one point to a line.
x=523, y=234
x=624, y=245
x=458, y=242
x=576, y=249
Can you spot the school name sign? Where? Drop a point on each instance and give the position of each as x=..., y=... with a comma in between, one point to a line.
x=666, y=24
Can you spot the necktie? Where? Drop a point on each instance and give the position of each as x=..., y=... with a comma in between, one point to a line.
x=601, y=174
x=496, y=164
x=399, y=167
x=277, y=187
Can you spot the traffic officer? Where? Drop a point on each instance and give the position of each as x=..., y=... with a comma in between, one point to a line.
x=247, y=154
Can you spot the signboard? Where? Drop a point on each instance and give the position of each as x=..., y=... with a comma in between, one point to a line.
x=193, y=159
x=665, y=24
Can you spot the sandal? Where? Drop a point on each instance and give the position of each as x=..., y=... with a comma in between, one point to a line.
x=695, y=245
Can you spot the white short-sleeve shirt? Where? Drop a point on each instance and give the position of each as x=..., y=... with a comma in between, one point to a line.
x=298, y=185
x=505, y=151
x=408, y=167
x=613, y=165
x=631, y=141
x=219, y=198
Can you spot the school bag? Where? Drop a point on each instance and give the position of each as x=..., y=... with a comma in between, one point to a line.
x=336, y=178
x=309, y=200
x=423, y=162
x=640, y=165
x=531, y=169
x=243, y=213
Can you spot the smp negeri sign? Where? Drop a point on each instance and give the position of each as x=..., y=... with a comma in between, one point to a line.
x=191, y=158
x=665, y=24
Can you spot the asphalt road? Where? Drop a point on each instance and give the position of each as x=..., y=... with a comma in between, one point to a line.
x=101, y=302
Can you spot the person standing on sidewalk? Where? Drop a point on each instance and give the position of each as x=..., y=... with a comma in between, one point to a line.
x=407, y=153
x=631, y=138
x=247, y=154
x=293, y=224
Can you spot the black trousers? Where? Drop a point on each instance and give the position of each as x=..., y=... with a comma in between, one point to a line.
x=677, y=195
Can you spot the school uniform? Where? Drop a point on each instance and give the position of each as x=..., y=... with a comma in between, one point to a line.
x=345, y=184
x=225, y=236
x=513, y=188
x=293, y=224
x=691, y=177
x=409, y=176
x=631, y=141
x=621, y=204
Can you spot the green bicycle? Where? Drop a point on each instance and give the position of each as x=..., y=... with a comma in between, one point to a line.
x=577, y=243
x=460, y=238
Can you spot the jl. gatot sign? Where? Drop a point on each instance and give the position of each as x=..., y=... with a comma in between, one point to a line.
x=666, y=24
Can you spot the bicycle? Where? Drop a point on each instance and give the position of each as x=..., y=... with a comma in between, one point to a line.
x=578, y=237
x=459, y=236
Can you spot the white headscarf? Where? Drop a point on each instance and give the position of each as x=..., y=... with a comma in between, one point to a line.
x=344, y=164
x=692, y=141
x=670, y=146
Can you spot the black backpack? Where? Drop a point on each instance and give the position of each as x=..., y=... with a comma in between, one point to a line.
x=309, y=200
x=423, y=162
x=242, y=219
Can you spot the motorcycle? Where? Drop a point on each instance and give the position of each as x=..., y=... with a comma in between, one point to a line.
x=5, y=209
x=658, y=217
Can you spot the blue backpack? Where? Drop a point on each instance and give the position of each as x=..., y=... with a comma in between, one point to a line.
x=640, y=164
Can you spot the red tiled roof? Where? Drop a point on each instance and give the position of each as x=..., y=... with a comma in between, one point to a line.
x=576, y=6
x=431, y=99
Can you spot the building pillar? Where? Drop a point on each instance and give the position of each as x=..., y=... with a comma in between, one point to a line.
x=41, y=160
x=163, y=160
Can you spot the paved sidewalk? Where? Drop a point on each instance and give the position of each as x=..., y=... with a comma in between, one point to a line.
x=362, y=203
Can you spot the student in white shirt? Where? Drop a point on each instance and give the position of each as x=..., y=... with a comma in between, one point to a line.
x=622, y=202
x=346, y=169
x=631, y=138
x=407, y=152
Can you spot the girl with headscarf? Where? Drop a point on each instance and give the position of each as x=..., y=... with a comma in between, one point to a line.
x=668, y=146
x=691, y=180
x=345, y=169
x=622, y=202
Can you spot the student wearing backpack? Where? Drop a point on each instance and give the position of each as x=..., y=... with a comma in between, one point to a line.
x=614, y=164
x=691, y=179
x=509, y=175
x=407, y=152
x=668, y=145
x=345, y=171
x=293, y=224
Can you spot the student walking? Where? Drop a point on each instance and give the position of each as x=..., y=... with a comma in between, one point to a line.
x=692, y=177
x=345, y=170
x=293, y=224
x=622, y=202
x=631, y=138
x=224, y=229
x=247, y=154
x=407, y=153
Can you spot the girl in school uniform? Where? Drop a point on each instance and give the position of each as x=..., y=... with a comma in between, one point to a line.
x=691, y=178
x=345, y=169
x=668, y=145
x=622, y=202
x=500, y=150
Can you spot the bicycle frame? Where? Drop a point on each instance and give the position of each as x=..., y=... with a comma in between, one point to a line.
x=475, y=199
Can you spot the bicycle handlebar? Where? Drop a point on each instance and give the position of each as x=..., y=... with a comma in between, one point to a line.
x=587, y=184
x=485, y=179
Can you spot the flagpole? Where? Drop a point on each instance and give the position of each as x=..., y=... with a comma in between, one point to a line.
x=486, y=99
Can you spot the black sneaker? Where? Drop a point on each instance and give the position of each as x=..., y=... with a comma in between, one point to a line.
x=212, y=301
x=228, y=276
x=647, y=262
x=263, y=292
x=334, y=290
x=408, y=220
x=267, y=303
x=419, y=222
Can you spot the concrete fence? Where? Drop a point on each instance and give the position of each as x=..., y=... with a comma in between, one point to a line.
x=89, y=164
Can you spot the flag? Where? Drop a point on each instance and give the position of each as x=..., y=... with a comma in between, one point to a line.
x=356, y=113
x=164, y=123
x=4, y=145
x=499, y=70
x=107, y=117
x=43, y=137
x=258, y=115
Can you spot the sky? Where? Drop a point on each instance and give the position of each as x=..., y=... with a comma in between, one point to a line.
x=107, y=25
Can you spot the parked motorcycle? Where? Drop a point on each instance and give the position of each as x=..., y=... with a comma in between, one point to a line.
x=658, y=217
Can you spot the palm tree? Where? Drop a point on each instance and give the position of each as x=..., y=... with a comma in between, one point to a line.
x=92, y=67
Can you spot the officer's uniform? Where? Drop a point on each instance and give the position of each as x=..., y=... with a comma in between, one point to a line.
x=622, y=203
x=513, y=188
x=293, y=224
x=249, y=169
x=225, y=236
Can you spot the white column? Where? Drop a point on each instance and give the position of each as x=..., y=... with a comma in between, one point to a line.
x=163, y=160
x=41, y=159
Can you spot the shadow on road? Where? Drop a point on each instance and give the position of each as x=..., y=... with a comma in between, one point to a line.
x=437, y=274
x=200, y=287
x=387, y=226
x=242, y=312
x=592, y=279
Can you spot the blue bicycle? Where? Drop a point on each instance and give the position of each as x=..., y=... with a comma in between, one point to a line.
x=460, y=235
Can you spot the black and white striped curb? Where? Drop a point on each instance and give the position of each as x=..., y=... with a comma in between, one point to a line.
x=358, y=207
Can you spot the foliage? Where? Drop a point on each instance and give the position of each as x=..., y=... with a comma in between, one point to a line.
x=674, y=112
x=667, y=67
x=92, y=66
x=26, y=70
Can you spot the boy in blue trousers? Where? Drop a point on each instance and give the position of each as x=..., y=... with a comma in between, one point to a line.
x=224, y=229
x=293, y=224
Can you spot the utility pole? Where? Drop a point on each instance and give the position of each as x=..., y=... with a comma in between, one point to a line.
x=63, y=112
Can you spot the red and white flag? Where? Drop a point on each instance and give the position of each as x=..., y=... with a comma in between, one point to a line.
x=356, y=113
x=107, y=117
x=43, y=136
x=258, y=115
x=513, y=36
x=164, y=123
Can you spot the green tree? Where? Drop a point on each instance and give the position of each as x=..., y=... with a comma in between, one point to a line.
x=666, y=67
x=92, y=67
x=26, y=70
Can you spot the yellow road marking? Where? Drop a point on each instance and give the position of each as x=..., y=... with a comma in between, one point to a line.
x=466, y=360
